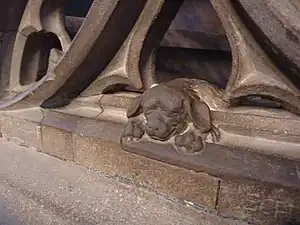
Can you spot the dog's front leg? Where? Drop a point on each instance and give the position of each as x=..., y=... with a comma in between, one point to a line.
x=134, y=129
x=189, y=142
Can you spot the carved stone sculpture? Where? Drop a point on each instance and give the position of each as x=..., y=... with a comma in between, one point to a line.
x=249, y=129
x=175, y=111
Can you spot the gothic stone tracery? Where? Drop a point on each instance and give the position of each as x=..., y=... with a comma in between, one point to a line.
x=113, y=54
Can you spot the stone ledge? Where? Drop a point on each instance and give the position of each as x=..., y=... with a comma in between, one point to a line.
x=95, y=144
x=224, y=161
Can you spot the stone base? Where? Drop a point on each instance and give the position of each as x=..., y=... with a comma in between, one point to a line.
x=95, y=144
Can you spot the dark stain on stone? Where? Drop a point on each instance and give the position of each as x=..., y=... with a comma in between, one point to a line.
x=291, y=36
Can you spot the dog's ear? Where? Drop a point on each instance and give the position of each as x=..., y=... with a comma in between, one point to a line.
x=199, y=113
x=135, y=107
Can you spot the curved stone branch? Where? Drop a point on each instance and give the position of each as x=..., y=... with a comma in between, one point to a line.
x=53, y=21
x=275, y=26
x=253, y=73
x=134, y=60
x=40, y=37
x=74, y=56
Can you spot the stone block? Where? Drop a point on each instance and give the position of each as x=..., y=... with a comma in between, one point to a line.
x=21, y=112
x=109, y=158
x=103, y=130
x=259, y=203
x=60, y=121
x=21, y=131
x=57, y=143
x=57, y=131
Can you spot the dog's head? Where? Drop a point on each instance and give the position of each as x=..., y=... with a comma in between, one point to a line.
x=167, y=110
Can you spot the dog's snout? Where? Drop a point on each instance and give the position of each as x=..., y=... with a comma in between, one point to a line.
x=157, y=127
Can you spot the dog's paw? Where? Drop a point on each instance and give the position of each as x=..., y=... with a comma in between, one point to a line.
x=189, y=142
x=133, y=130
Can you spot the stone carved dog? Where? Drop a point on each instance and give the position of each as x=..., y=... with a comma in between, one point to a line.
x=173, y=109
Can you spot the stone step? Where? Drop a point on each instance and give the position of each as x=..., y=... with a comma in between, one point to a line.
x=37, y=189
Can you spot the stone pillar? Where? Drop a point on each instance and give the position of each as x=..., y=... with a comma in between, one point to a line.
x=10, y=15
